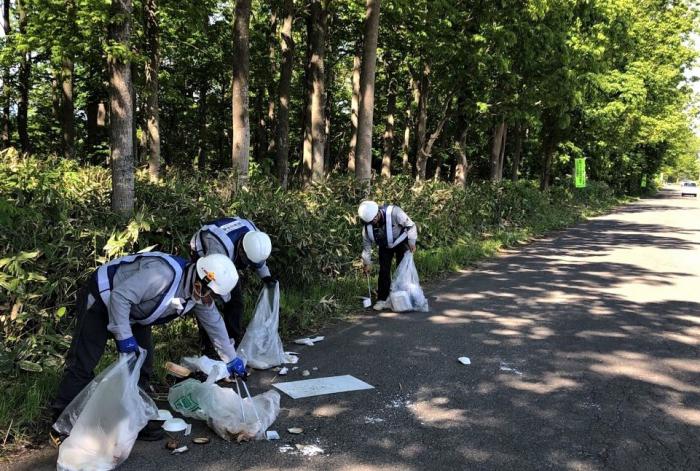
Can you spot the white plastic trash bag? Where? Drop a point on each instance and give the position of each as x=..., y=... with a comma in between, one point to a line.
x=261, y=346
x=406, y=293
x=223, y=410
x=104, y=419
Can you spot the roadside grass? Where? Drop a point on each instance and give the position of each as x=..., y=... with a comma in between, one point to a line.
x=24, y=414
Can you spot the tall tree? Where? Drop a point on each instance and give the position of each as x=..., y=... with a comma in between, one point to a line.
x=6, y=90
x=390, y=110
x=422, y=84
x=67, y=71
x=152, y=69
x=363, y=157
x=319, y=14
x=354, y=104
x=239, y=100
x=499, y=131
x=24, y=81
x=121, y=109
x=286, y=68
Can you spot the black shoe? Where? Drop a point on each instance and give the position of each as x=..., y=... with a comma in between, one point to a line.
x=56, y=438
x=152, y=432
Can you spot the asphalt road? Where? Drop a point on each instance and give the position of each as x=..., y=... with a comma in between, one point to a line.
x=584, y=351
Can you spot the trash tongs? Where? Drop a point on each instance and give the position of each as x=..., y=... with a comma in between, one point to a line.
x=252, y=403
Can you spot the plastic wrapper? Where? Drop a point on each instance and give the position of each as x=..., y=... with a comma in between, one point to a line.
x=205, y=365
x=261, y=346
x=230, y=416
x=104, y=419
x=406, y=293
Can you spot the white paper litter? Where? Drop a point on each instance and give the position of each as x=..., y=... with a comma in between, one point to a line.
x=321, y=386
x=205, y=365
x=309, y=341
x=188, y=430
x=291, y=358
x=283, y=371
x=272, y=435
x=309, y=450
x=464, y=360
x=506, y=367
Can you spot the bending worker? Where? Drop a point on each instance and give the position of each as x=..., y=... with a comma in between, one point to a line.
x=126, y=296
x=241, y=241
x=394, y=233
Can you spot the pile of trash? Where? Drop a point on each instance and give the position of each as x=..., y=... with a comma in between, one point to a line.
x=406, y=293
x=231, y=416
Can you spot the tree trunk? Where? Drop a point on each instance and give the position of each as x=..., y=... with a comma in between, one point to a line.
x=24, y=76
x=405, y=147
x=363, y=157
x=462, y=167
x=239, y=101
x=389, y=127
x=496, y=143
x=202, y=153
x=425, y=152
x=272, y=59
x=287, y=63
x=328, y=163
x=260, y=144
x=91, y=124
x=6, y=91
x=67, y=107
x=121, y=112
x=355, y=104
x=502, y=155
x=517, y=152
x=152, y=88
x=319, y=18
x=547, y=168
x=422, y=123
x=306, y=142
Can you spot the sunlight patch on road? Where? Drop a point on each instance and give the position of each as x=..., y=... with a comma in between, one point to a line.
x=329, y=410
x=684, y=414
x=690, y=336
x=436, y=413
x=639, y=367
x=548, y=385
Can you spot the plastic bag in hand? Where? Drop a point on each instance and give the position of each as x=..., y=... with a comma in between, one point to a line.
x=223, y=410
x=104, y=419
x=261, y=346
x=406, y=293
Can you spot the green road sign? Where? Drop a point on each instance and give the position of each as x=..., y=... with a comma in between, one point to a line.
x=580, y=173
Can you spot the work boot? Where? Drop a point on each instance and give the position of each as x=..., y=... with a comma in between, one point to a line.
x=152, y=432
x=56, y=438
x=381, y=305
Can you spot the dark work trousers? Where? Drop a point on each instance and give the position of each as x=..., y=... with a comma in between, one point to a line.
x=88, y=345
x=232, y=312
x=385, y=257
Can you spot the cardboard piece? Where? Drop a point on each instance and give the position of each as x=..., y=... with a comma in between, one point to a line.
x=321, y=386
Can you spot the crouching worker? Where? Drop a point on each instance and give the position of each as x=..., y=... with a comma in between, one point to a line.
x=241, y=241
x=125, y=297
x=392, y=230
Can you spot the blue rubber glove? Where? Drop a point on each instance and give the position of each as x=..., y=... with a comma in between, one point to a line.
x=236, y=367
x=127, y=345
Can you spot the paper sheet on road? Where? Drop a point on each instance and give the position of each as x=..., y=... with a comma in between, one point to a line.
x=321, y=386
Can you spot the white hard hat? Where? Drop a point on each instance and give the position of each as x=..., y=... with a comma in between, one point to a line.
x=257, y=246
x=368, y=210
x=218, y=272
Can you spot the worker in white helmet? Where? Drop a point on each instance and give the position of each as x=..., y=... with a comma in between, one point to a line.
x=394, y=233
x=125, y=297
x=241, y=241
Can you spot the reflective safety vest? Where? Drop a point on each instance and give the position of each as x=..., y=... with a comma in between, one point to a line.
x=387, y=241
x=228, y=231
x=105, y=279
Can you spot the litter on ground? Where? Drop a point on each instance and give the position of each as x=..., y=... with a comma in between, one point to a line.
x=305, y=373
x=180, y=450
x=464, y=360
x=309, y=450
x=321, y=386
x=506, y=367
x=272, y=435
x=309, y=341
x=295, y=430
x=283, y=371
